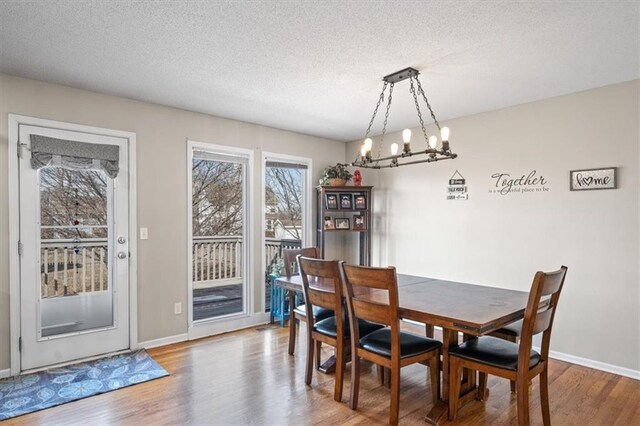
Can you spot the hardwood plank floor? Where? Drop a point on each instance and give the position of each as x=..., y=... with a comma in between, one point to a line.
x=247, y=377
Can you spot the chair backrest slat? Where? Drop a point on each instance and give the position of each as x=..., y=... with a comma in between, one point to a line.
x=538, y=317
x=371, y=294
x=321, y=286
x=324, y=299
x=552, y=283
x=543, y=320
x=289, y=256
x=371, y=311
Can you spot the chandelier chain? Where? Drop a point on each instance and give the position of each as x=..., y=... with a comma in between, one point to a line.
x=415, y=99
x=421, y=91
x=386, y=117
x=375, y=111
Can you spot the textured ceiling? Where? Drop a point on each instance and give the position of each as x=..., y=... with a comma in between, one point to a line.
x=315, y=67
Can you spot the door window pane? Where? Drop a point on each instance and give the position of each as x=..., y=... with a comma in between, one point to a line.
x=75, y=278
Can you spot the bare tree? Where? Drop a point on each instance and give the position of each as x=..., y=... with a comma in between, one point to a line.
x=286, y=185
x=217, y=198
x=73, y=198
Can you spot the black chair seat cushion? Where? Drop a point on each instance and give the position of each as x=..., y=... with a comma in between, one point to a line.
x=318, y=313
x=493, y=351
x=379, y=342
x=514, y=329
x=329, y=327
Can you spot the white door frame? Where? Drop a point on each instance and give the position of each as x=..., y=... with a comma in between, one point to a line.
x=233, y=321
x=14, y=224
x=307, y=234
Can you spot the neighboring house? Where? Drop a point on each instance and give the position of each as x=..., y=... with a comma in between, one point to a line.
x=287, y=230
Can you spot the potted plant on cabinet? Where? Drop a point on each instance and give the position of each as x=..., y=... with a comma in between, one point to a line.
x=337, y=175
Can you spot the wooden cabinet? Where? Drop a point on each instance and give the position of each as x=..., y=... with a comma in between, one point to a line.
x=345, y=209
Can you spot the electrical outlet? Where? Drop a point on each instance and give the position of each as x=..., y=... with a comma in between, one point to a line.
x=177, y=308
x=144, y=233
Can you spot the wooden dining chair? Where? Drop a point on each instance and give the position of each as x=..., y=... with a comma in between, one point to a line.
x=298, y=313
x=516, y=362
x=372, y=295
x=322, y=286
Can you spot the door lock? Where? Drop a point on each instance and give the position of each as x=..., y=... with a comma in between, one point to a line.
x=122, y=240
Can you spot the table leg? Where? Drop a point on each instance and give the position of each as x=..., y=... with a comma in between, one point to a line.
x=292, y=323
x=468, y=376
x=329, y=366
x=440, y=411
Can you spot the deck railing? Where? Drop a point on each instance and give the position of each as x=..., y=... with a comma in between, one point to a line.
x=274, y=249
x=217, y=260
x=69, y=267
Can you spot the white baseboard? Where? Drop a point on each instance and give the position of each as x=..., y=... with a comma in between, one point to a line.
x=585, y=362
x=164, y=341
x=598, y=365
x=5, y=373
x=204, y=330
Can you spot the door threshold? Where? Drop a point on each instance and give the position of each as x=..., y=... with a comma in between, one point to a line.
x=75, y=361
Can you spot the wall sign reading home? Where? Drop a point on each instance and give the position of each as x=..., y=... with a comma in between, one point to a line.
x=528, y=183
x=582, y=180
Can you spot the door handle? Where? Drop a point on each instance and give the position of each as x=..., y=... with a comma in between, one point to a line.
x=122, y=255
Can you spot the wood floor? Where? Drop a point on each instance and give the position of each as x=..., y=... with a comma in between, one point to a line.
x=247, y=377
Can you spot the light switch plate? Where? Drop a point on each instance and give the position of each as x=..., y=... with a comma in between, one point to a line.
x=177, y=308
x=144, y=233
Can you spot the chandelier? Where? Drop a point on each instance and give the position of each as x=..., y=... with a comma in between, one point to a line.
x=364, y=157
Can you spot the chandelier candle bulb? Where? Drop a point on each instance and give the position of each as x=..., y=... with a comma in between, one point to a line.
x=368, y=144
x=406, y=135
x=433, y=142
x=394, y=148
x=444, y=134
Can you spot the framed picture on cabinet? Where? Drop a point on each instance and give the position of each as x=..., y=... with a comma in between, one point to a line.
x=343, y=223
x=346, y=201
x=328, y=223
x=360, y=200
x=331, y=201
x=359, y=223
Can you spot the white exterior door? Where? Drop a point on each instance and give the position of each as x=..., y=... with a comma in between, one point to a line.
x=74, y=261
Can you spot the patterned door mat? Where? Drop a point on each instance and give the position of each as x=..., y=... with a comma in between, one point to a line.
x=33, y=392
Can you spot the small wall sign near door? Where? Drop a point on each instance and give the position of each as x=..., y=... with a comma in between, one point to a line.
x=457, y=189
x=583, y=180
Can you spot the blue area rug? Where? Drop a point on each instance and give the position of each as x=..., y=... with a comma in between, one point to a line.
x=32, y=392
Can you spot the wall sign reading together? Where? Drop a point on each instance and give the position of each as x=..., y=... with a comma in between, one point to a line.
x=527, y=183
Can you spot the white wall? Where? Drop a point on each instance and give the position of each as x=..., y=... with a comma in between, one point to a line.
x=502, y=240
x=161, y=173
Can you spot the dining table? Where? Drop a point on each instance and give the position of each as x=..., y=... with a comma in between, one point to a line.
x=456, y=308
